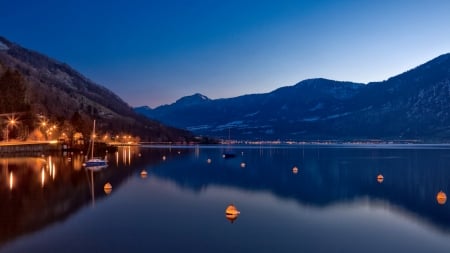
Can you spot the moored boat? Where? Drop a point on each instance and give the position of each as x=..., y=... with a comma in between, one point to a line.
x=95, y=163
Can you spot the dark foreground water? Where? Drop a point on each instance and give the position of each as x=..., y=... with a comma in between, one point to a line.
x=333, y=203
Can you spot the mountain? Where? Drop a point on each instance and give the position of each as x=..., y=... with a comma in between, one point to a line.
x=38, y=88
x=413, y=105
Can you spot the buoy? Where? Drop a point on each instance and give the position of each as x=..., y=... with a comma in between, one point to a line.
x=243, y=165
x=231, y=213
x=441, y=198
x=143, y=174
x=380, y=178
x=107, y=188
x=231, y=209
x=231, y=217
x=295, y=170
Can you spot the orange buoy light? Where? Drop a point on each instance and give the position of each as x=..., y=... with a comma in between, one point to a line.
x=107, y=188
x=441, y=198
x=231, y=209
x=380, y=178
x=231, y=213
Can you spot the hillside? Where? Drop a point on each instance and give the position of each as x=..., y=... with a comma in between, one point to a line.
x=38, y=88
x=410, y=106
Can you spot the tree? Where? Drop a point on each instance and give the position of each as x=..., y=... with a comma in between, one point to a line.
x=13, y=93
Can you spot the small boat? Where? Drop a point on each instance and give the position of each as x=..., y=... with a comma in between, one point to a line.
x=95, y=163
x=228, y=154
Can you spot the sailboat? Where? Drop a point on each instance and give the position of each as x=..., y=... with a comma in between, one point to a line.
x=228, y=153
x=95, y=163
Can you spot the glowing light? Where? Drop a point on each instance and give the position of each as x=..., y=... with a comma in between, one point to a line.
x=12, y=121
x=380, y=178
x=243, y=165
x=295, y=170
x=53, y=172
x=441, y=198
x=143, y=174
x=11, y=180
x=231, y=213
x=107, y=188
x=164, y=158
x=129, y=155
x=209, y=160
x=42, y=177
x=231, y=209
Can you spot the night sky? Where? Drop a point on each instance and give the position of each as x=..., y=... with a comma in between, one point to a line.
x=154, y=52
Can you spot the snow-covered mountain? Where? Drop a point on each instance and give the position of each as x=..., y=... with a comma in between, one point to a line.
x=412, y=105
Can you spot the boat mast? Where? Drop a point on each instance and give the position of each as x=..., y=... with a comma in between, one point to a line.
x=93, y=141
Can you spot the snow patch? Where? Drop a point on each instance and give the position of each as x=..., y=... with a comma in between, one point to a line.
x=338, y=115
x=317, y=107
x=269, y=131
x=233, y=124
x=251, y=114
x=311, y=119
x=3, y=46
x=198, y=128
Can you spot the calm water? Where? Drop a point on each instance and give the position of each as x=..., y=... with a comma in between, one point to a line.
x=334, y=202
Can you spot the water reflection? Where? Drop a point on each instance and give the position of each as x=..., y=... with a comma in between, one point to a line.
x=11, y=180
x=329, y=176
x=40, y=191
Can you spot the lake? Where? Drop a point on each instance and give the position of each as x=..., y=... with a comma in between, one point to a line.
x=294, y=198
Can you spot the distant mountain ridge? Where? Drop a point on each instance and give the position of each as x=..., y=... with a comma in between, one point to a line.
x=412, y=105
x=58, y=92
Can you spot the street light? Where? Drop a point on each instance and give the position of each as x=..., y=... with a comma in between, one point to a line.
x=11, y=122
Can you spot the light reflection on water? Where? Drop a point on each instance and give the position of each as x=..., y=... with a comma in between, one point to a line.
x=173, y=199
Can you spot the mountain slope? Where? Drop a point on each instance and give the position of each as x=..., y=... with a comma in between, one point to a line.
x=412, y=105
x=56, y=91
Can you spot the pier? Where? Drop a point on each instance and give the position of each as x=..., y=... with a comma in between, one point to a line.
x=8, y=148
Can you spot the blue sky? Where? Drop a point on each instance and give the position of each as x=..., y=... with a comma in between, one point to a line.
x=154, y=52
